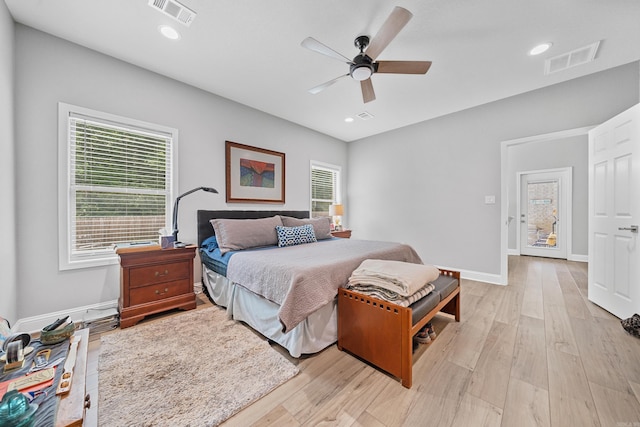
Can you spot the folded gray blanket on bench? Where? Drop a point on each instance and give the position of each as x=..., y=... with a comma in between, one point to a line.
x=400, y=277
x=387, y=295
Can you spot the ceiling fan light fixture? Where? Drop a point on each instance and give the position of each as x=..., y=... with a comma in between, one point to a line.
x=361, y=73
x=541, y=48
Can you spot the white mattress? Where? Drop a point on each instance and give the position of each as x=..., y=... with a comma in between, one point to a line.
x=318, y=331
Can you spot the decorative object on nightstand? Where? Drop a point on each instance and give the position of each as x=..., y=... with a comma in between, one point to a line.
x=336, y=211
x=153, y=280
x=176, y=243
x=345, y=234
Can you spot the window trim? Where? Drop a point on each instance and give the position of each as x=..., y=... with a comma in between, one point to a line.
x=328, y=166
x=64, y=181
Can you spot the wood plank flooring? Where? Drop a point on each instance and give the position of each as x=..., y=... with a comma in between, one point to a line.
x=533, y=353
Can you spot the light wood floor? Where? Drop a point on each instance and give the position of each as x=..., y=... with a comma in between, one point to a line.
x=533, y=353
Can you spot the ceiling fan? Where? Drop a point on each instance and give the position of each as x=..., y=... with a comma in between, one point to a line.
x=364, y=65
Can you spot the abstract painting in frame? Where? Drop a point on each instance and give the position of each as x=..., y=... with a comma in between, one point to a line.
x=254, y=175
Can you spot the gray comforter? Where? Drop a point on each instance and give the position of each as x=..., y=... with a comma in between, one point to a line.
x=303, y=278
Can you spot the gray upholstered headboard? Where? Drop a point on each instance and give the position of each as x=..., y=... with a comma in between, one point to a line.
x=205, y=229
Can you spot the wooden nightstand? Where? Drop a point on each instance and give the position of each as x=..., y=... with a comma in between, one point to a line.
x=153, y=280
x=345, y=234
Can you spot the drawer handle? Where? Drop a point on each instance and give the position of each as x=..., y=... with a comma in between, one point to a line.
x=162, y=293
x=158, y=274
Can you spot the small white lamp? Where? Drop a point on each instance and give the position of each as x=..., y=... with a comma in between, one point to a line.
x=336, y=211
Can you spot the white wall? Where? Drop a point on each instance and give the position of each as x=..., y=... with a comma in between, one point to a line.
x=8, y=283
x=426, y=184
x=50, y=70
x=566, y=152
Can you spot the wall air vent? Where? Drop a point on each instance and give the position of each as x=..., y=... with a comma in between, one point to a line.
x=365, y=116
x=571, y=59
x=174, y=9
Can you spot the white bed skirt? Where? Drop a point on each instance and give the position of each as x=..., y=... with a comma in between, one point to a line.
x=315, y=333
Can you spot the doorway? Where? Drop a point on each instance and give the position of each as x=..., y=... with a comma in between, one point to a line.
x=544, y=212
x=508, y=209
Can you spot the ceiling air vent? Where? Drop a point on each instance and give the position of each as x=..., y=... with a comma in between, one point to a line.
x=571, y=59
x=174, y=9
x=365, y=116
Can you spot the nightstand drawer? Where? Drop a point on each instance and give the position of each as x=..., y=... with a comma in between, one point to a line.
x=160, y=273
x=158, y=292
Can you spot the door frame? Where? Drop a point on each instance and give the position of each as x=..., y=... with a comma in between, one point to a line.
x=565, y=205
x=504, y=189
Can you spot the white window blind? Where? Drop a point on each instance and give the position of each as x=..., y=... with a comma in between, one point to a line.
x=325, y=185
x=119, y=184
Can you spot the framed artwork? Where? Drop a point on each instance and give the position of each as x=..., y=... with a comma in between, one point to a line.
x=254, y=174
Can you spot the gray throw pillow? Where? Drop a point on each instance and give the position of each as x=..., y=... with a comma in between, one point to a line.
x=238, y=234
x=321, y=225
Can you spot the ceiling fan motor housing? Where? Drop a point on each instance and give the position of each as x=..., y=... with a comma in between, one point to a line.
x=362, y=67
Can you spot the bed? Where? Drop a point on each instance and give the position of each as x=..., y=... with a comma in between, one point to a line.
x=288, y=294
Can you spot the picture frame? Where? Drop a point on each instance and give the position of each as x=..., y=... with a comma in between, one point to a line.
x=254, y=175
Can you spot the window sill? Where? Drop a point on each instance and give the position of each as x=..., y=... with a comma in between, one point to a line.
x=92, y=262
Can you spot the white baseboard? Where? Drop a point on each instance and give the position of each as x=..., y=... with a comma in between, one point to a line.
x=494, y=279
x=478, y=276
x=571, y=257
x=36, y=323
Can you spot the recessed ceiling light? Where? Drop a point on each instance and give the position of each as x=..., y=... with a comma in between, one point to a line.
x=541, y=48
x=348, y=119
x=169, y=32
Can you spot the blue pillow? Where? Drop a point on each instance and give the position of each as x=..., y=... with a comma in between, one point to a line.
x=210, y=243
x=290, y=236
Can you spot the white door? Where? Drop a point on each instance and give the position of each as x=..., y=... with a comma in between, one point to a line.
x=614, y=214
x=543, y=212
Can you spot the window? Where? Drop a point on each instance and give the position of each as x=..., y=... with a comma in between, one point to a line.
x=325, y=188
x=116, y=184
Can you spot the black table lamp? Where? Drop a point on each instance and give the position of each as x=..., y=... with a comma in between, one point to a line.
x=175, y=209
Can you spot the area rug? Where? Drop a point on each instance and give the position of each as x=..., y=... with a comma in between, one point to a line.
x=192, y=369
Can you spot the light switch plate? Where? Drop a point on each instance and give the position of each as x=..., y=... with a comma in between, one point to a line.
x=489, y=200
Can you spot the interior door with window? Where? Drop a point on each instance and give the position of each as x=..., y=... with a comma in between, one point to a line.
x=614, y=214
x=542, y=213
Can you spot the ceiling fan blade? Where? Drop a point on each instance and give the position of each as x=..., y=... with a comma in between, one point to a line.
x=368, y=94
x=323, y=86
x=403, y=67
x=314, y=45
x=389, y=30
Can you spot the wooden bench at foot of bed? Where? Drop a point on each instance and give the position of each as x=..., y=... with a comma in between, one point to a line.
x=381, y=332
